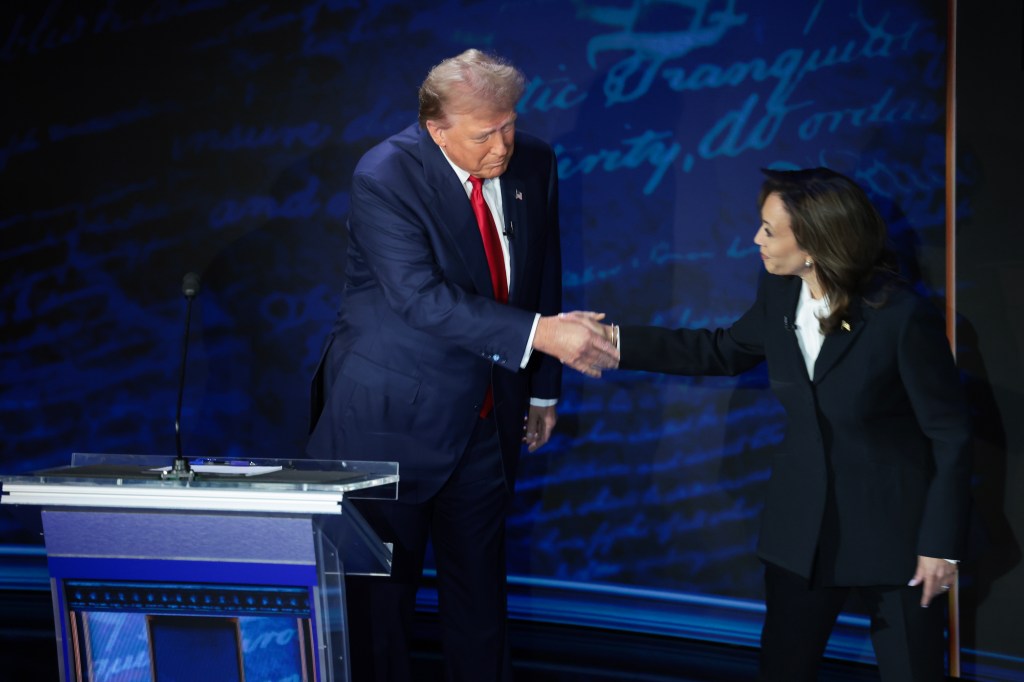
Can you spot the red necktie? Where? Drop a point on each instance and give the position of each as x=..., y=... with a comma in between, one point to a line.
x=489, y=234
x=495, y=259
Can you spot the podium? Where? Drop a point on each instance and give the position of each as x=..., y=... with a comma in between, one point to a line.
x=234, y=573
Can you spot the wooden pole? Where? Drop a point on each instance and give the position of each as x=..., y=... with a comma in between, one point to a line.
x=951, y=35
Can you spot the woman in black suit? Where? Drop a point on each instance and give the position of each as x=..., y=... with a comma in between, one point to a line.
x=869, y=489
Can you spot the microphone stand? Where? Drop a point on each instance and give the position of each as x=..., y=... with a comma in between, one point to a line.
x=181, y=469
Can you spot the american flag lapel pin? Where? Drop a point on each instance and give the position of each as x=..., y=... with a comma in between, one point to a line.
x=519, y=195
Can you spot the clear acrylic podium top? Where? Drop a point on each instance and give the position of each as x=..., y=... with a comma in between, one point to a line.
x=138, y=481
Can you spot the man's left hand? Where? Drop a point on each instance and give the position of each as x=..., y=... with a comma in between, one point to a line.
x=538, y=425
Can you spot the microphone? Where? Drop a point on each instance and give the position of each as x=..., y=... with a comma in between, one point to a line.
x=789, y=326
x=189, y=287
x=510, y=231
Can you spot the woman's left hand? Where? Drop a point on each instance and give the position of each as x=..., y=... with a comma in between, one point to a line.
x=936, y=575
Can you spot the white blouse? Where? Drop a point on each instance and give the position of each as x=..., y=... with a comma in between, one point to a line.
x=809, y=312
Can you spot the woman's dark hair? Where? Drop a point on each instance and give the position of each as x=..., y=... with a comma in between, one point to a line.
x=834, y=221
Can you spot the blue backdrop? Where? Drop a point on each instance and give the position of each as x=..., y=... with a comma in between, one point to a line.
x=143, y=140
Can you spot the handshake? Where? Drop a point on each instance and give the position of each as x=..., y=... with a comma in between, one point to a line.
x=579, y=340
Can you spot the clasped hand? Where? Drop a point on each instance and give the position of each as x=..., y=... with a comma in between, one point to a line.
x=579, y=340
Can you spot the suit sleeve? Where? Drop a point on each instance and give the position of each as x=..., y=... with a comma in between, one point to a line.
x=697, y=352
x=389, y=233
x=933, y=385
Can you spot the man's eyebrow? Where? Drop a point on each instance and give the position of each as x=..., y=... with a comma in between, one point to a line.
x=511, y=119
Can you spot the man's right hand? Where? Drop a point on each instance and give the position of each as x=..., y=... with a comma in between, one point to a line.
x=578, y=341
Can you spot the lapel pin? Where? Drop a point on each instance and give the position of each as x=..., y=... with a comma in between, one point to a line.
x=519, y=195
x=845, y=325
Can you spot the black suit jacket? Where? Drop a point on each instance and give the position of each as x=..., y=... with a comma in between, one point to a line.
x=419, y=336
x=874, y=468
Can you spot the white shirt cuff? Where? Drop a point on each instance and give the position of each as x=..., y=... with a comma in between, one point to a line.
x=529, y=343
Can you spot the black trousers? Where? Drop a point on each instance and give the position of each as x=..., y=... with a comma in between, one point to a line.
x=908, y=639
x=465, y=522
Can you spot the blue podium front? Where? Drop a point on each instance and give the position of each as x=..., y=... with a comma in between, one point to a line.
x=218, y=577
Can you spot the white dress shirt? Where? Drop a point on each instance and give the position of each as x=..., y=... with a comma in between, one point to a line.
x=809, y=313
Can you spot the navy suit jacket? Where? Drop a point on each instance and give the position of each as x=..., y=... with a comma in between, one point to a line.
x=419, y=335
x=874, y=468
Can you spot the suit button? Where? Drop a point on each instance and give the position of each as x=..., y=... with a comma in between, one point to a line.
x=495, y=358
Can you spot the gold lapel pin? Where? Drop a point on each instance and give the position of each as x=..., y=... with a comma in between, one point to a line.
x=845, y=325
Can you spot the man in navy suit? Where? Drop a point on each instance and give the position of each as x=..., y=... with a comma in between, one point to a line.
x=447, y=358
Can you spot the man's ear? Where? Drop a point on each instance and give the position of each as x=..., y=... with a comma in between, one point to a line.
x=436, y=133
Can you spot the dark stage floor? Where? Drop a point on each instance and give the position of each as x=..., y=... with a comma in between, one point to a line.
x=541, y=653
